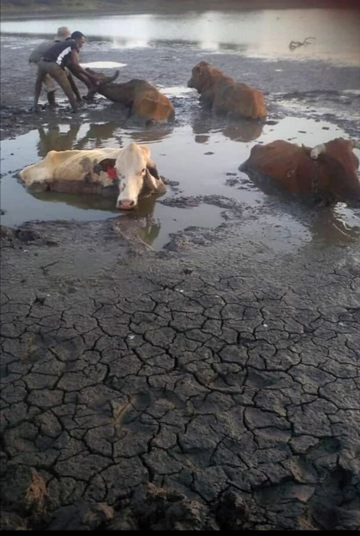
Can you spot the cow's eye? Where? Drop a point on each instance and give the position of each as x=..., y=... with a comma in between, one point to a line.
x=143, y=171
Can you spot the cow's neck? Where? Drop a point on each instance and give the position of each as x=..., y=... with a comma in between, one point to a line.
x=122, y=93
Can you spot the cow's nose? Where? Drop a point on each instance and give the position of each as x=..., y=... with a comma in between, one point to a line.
x=126, y=204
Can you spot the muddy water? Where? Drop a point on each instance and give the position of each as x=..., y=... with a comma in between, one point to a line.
x=259, y=33
x=201, y=158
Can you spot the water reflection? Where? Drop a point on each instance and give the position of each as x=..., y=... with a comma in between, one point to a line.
x=134, y=228
x=55, y=137
x=138, y=225
x=327, y=224
x=52, y=139
x=97, y=133
x=329, y=227
x=243, y=130
x=152, y=133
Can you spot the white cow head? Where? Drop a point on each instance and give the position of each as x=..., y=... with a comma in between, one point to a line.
x=136, y=173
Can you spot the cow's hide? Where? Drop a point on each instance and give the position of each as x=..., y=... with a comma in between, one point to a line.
x=128, y=173
x=224, y=94
x=144, y=101
x=330, y=168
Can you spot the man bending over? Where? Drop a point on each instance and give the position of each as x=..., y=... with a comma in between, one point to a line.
x=36, y=55
x=61, y=55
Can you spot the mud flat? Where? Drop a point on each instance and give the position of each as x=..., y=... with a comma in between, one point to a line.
x=211, y=380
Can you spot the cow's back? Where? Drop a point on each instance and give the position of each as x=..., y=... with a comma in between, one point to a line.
x=150, y=103
x=79, y=165
x=239, y=99
x=284, y=162
x=68, y=165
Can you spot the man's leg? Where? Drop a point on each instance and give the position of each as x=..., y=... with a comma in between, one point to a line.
x=51, y=99
x=61, y=78
x=50, y=89
x=38, y=86
x=73, y=86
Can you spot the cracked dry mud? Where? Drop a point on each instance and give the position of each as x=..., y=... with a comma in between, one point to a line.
x=211, y=391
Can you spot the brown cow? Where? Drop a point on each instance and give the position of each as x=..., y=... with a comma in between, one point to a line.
x=144, y=100
x=329, y=168
x=224, y=94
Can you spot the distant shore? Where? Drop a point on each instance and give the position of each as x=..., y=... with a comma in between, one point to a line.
x=16, y=10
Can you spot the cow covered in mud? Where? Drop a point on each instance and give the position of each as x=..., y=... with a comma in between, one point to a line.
x=224, y=94
x=144, y=101
x=329, y=170
x=96, y=171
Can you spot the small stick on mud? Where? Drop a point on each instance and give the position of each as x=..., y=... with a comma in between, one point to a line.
x=296, y=44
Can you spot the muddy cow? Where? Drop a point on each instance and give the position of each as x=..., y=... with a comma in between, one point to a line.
x=144, y=101
x=95, y=171
x=330, y=169
x=224, y=94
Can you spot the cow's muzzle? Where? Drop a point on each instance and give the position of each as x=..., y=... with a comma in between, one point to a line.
x=126, y=204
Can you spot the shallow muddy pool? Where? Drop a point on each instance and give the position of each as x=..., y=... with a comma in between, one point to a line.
x=199, y=159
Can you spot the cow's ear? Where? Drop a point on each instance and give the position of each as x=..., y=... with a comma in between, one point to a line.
x=105, y=165
x=153, y=171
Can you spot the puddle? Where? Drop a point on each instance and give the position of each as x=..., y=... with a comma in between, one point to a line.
x=319, y=109
x=202, y=157
x=103, y=65
x=175, y=91
x=262, y=33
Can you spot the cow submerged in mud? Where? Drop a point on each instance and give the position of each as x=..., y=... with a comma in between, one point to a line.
x=96, y=171
x=143, y=100
x=223, y=94
x=329, y=170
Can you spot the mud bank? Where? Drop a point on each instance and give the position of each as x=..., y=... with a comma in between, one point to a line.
x=226, y=375
x=213, y=384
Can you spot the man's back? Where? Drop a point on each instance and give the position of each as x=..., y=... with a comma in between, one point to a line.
x=40, y=50
x=60, y=52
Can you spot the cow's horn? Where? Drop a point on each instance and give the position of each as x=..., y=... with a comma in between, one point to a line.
x=318, y=149
x=356, y=144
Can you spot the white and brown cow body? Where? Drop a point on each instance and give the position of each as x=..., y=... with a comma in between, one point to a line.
x=329, y=169
x=129, y=172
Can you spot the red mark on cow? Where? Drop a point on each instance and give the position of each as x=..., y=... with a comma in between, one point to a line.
x=111, y=173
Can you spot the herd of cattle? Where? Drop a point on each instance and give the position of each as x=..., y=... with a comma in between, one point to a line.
x=330, y=169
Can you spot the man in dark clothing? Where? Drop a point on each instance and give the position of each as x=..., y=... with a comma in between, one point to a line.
x=64, y=54
x=62, y=33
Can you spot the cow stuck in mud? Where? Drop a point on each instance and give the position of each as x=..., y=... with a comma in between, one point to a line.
x=143, y=100
x=223, y=94
x=329, y=170
x=128, y=173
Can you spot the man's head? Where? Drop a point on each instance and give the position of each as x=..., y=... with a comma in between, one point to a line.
x=62, y=33
x=79, y=38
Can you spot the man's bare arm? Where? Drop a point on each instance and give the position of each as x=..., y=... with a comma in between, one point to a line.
x=75, y=67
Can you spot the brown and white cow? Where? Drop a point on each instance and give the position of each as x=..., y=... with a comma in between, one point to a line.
x=224, y=94
x=95, y=170
x=329, y=168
